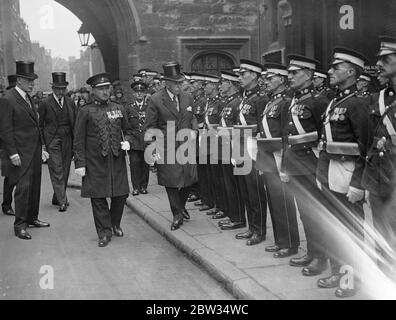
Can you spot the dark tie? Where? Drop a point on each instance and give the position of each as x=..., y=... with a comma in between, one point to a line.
x=28, y=101
x=176, y=101
x=60, y=102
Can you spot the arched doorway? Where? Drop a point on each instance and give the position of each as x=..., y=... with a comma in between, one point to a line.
x=212, y=63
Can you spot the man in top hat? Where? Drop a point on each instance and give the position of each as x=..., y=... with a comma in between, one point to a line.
x=102, y=135
x=303, y=123
x=24, y=148
x=281, y=203
x=250, y=109
x=57, y=118
x=379, y=177
x=136, y=112
x=170, y=110
x=343, y=147
x=7, y=188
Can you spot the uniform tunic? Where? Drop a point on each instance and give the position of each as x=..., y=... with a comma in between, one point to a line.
x=97, y=147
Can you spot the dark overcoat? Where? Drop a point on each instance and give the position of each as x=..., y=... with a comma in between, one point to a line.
x=97, y=147
x=160, y=111
x=20, y=133
x=48, y=110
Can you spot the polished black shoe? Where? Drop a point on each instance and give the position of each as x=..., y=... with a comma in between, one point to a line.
x=344, y=293
x=186, y=215
x=301, y=261
x=286, y=252
x=176, y=224
x=135, y=192
x=193, y=198
x=38, y=224
x=143, y=191
x=255, y=239
x=330, y=282
x=199, y=204
x=23, y=234
x=273, y=248
x=205, y=207
x=244, y=235
x=212, y=212
x=222, y=222
x=63, y=207
x=219, y=215
x=104, y=241
x=55, y=202
x=9, y=212
x=117, y=231
x=316, y=267
x=232, y=225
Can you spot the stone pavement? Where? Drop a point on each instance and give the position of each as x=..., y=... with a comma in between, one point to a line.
x=247, y=272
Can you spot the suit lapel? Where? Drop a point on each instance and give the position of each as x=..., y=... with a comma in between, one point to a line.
x=23, y=103
x=169, y=104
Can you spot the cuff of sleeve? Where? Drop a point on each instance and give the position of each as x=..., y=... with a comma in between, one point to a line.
x=14, y=156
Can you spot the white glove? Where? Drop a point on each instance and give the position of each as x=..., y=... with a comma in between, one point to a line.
x=125, y=145
x=319, y=184
x=233, y=162
x=80, y=171
x=354, y=195
x=284, y=177
x=44, y=155
x=16, y=160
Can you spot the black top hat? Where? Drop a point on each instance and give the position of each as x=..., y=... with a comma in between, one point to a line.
x=25, y=70
x=139, y=86
x=12, y=80
x=172, y=72
x=59, y=80
x=99, y=80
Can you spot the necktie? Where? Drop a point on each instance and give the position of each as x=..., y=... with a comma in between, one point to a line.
x=60, y=102
x=175, y=100
x=28, y=101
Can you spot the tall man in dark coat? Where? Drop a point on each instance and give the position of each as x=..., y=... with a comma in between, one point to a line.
x=8, y=189
x=136, y=112
x=170, y=111
x=24, y=147
x=102, y=134
x=57, y=117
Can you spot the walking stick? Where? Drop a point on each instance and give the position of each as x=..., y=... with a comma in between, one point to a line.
x=126, y=152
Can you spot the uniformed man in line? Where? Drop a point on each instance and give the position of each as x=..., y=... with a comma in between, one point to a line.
x=363, y=87
x=300, y=137
x=382, y=77
x=230, y=91
x=102, y=135
x=379, y=177
x=214, y=171
x=8, y=189
x=250, y=109
x=57, y=119
x=136, y=112
x=343, y=144
x=171, y=109
x=269, y=157
x=320, y=85
x=200, y=105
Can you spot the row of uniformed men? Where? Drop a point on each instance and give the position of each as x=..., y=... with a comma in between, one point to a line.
x=322, y=149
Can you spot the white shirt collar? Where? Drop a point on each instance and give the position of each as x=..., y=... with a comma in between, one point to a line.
x=21, y=92
x=56, y=98
x=171, y=95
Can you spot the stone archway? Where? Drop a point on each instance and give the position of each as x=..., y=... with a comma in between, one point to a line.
x=116, y=28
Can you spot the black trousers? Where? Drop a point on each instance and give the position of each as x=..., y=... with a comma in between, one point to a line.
x=233, y=194
x=177, y=200
x=140, y=170
x=283, y=211
x=254, y=197
x=60, y=151
x=308, y=198
x=205, y=186
x=27, y=193
x=349, y=215
x=7, y=194
x=217, y=181
x=106, y=217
